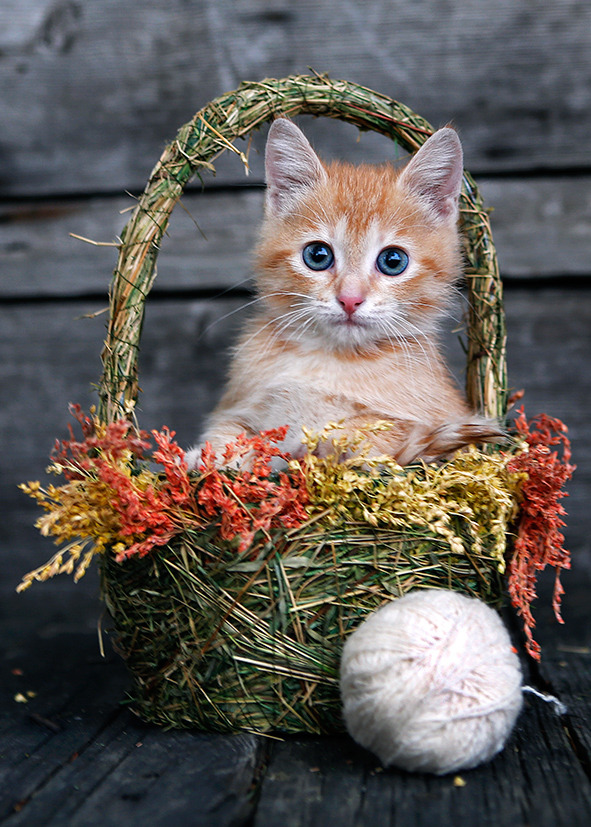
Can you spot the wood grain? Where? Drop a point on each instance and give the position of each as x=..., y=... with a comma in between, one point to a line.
x=314, y=782
x=96, y=764
x=91, y=91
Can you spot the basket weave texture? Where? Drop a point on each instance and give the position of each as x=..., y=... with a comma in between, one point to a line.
x=250, y=645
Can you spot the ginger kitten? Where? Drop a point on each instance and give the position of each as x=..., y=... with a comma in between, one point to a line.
x=355, y=266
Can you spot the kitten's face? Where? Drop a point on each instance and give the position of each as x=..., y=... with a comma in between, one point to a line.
x=352, y=257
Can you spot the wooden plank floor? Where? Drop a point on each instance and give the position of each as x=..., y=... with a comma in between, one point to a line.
x=74, y=756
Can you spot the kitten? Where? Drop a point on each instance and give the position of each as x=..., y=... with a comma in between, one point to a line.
x=355, y=266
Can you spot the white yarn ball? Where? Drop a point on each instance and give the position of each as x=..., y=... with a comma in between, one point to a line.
x=430, y=682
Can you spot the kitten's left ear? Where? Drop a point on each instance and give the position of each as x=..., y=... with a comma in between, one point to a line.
x=435, y=173
x=291, y=166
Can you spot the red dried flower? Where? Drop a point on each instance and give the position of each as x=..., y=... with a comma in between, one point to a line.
x=114, y=441
x=249, y=501
x=539, y=542
x=165, y=507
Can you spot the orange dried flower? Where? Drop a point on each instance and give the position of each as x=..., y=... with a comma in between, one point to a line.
x=112, y=501
x=539, y=541
x=251, y=500
x=117, y=442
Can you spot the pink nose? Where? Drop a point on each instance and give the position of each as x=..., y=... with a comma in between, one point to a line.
x=350, y=303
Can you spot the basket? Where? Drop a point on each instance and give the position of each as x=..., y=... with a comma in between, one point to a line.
x=230, y=643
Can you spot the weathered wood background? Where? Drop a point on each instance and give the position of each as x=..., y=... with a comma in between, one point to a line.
x=89, y=94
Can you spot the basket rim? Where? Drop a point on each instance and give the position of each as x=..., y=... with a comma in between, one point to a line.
x=212, y=131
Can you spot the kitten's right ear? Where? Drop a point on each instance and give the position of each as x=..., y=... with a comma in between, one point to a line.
x=435, y=173
x=291, y=166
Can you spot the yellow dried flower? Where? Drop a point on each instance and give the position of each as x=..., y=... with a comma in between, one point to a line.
x=468, y=502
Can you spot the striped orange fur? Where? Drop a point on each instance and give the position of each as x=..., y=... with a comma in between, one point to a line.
x=349, y=338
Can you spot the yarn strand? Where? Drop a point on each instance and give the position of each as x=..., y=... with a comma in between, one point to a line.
x=559, y=707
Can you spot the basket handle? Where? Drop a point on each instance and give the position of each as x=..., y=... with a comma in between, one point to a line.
x=212, y=131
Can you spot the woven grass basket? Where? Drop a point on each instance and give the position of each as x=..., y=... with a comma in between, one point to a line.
x=224, y=646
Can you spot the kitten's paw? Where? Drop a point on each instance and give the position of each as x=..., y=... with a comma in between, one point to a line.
x=193, y=457
x=218, y=440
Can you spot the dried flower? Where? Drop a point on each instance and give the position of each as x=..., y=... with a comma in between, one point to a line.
x=252, y=500
x=114, y=502
x=470, y=499
x=110, y=501
x=539, y=541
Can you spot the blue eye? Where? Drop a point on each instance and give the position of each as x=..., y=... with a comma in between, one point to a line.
x=392, y=261
x=317, y=255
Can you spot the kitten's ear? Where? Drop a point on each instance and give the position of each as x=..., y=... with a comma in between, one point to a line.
x=435, y=173
x=291, y=165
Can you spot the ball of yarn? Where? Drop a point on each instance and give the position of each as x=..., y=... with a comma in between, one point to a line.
x=430, y=682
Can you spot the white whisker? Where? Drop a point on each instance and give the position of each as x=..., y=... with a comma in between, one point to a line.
x=281, y=323
x=393, y=334
x=256, y=300
x=227, y=315
x=415, y=334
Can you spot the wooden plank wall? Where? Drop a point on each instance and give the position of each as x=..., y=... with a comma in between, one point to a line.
x=91, y=91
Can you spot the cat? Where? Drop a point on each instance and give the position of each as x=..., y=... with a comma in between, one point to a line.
x=355, y=267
